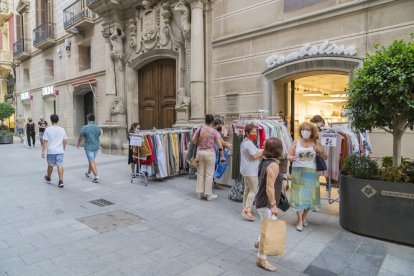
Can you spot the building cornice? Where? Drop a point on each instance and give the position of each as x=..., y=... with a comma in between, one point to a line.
x=298, y=21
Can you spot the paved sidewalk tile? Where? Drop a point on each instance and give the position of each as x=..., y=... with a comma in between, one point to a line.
x=40, y=234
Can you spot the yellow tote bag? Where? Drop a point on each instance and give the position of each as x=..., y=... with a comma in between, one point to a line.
x=272, y=237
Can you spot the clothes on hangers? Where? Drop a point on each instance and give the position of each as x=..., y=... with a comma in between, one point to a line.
x=265, y=129
x=163, y=151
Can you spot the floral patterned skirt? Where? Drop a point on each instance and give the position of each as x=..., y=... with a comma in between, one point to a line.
x=305, y=191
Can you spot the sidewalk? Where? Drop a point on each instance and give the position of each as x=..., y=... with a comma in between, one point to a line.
x=161, y=229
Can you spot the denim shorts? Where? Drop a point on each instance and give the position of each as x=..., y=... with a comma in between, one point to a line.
x=91, y=155
x=55, y=159
x=20, y=131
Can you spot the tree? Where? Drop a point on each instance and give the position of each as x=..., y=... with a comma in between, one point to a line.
x=6, y=110
x=381, y=95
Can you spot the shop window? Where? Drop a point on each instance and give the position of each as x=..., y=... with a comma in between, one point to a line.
x=49, y=70
x=26, y=77
x=85, y=58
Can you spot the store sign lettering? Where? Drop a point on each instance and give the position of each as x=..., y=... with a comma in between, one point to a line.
x=25, y=96
x=325, y=48
x=397, y=194
x=48, y=91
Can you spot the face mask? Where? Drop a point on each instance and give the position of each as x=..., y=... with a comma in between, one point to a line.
x=30, y=121
x=305, y=133
x=252, y=136
x=219, y=129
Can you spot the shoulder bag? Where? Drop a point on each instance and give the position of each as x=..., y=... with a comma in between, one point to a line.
x=193, y=161
x=320, y=163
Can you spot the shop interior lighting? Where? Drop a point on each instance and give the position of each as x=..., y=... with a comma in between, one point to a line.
x=338, y=95
x=312, y=95
x=334, y=101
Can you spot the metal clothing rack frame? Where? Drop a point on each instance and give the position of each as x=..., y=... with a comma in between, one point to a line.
x=138, y=171
x=138, y=133
x=329, y=178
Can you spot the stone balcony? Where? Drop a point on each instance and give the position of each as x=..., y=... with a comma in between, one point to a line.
x=44, y=35
x=77, y=16
x=21, y=50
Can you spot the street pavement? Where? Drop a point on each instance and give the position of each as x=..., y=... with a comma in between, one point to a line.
x=161, y=229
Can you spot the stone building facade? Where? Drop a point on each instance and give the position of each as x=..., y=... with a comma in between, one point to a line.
x=6, y=56
x=166, y=63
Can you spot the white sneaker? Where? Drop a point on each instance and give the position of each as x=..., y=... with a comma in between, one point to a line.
x=211, y=197
x=96, y=179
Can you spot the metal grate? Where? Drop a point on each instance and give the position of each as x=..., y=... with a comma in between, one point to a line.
x=101, y=202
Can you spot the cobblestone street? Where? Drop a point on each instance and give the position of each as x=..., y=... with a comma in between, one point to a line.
x=161, y=229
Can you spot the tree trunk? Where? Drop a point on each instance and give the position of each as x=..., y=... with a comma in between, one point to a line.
x=396, y=150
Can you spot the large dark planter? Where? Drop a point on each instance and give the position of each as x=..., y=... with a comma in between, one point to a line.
x=6, y=139
x=377, y=208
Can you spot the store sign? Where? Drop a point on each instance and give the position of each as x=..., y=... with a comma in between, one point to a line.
x=328, y=138
x=232, y=103
x=135, y=141
x=25, y=96
x=49, y=90
x=397, y=194
x=326, y=48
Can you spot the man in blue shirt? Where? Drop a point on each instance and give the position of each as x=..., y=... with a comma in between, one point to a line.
x=90, y=133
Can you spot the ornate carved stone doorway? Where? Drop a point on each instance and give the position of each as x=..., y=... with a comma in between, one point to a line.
x=157, y=94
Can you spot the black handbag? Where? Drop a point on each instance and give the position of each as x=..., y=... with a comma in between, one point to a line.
x=284, y=204
x=320, y=163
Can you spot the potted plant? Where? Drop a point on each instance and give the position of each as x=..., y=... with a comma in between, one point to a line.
x=378, y=201
x=6, y=110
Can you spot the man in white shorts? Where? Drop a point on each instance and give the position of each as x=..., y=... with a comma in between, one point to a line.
x=54, y=148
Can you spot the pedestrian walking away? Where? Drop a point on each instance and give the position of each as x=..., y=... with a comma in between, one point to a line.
x=90, y=133
x=42, y=125
x=20, y=127
x=30, y=132
x=269, y=192
x=250, y=157
x=53, y=149
x=305, y=193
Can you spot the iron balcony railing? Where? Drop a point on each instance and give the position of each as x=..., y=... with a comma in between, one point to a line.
x=91, y=2
x=21, y=46
x=43, y=32
x=76, y=12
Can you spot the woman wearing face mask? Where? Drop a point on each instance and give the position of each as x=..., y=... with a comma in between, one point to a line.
x=318, y=121
x=305, y=193
x=250, y=157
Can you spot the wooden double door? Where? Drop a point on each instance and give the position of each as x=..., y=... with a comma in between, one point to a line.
x=157, y=94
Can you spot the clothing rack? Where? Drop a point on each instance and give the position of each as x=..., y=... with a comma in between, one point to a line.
x=138, y=171
x=166, y=156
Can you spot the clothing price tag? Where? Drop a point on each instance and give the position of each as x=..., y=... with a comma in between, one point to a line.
x=328, y=137
x=136, y=141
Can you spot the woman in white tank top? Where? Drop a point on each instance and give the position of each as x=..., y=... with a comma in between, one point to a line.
x=305, y=193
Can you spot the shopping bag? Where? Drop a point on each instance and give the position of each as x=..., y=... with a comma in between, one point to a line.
x=272, y=237
x=25, y=141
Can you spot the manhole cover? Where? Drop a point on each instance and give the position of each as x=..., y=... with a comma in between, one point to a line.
x=110, y=221
x=101, y=202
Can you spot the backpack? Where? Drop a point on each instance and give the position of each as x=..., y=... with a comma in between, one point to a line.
x=236, y=191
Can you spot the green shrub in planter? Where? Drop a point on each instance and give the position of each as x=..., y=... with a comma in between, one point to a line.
x=5, y=133
x=360, y=167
